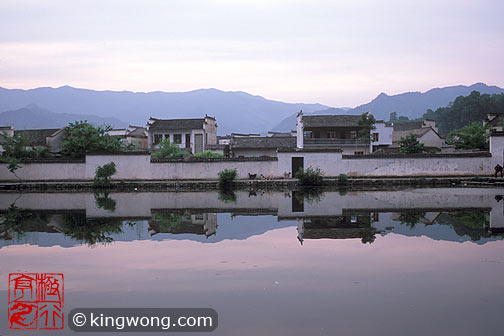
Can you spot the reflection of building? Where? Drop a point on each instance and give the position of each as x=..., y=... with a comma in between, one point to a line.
x=178, y=223
x=350, y=225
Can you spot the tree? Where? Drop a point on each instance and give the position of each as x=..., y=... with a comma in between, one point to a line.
x=393, y=117
x=366, y=123
x=81, y=138
x=410, y=144
x=16, y=148
x=473, y=136
x=168, y=150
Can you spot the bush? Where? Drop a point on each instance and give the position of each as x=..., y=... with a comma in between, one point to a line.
x=103, y=174
x=310, y=176
x=208, y=154
x=226, y=178
x=342, y=178
x=410, y=145
x=168, y=150
x=227, y=196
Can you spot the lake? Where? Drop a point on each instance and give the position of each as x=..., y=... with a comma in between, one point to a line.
x=403, y=262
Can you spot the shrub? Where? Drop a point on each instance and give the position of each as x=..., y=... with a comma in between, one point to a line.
x=310, y=176
x=208, y=154
x=168, y=150
x=226, y=178
x=103, y=174
x=410, y=145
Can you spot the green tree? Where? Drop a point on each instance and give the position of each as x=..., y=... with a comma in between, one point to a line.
x=81, y=138
x=473, y=136
x=366, y=123
x=393, y=117
x=410, y=144
x=168, y=150
x=16, y=148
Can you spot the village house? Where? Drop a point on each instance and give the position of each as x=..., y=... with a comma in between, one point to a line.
x=340, y=132
x=194, y=135
x=425, y=131
x=38, y=138
x=260, y=146
x=133, y=135
x=494, y=122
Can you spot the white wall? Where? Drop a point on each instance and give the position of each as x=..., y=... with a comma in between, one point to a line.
x=45, y=172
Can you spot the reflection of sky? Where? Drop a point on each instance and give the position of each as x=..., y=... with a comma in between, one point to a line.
x=270, y=285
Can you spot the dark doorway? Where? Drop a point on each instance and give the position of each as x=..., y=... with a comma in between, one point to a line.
x=297, y=162
x=188, y=141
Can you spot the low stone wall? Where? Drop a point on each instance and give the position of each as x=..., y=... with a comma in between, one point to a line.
x=139, y=166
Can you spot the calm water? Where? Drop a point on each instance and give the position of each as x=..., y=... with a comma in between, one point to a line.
x=412, y=262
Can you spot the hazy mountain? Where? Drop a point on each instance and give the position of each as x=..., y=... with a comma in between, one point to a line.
x=414, y=104
x=35, y=117
x=235, y=111
x=410, y=104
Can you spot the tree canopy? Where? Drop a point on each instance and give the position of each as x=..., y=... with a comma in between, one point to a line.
x=473, y=136
x=463, y=111
x=81, y=138
x=366, y=123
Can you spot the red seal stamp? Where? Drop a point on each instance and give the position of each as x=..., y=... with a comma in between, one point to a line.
x=36, y=300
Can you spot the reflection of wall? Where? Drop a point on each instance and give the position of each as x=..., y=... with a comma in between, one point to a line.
x=142, y=205
x=199, y=223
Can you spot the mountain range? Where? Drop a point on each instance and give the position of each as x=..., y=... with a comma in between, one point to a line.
x=35, y=117
x=235, y=111
x=410, y=104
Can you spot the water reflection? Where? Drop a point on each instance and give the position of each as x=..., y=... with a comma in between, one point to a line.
x=101, y=218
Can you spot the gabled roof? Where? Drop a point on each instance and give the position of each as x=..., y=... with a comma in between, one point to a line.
x=409, y=125
x=177, y=124
x=419, y=132
x=138, y=132
x=331, y=121
x=263, y=142
x=38, y=137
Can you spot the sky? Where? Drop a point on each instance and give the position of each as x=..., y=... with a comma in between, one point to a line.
x=338, y=53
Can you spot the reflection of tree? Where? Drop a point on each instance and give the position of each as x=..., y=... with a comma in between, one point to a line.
x=368, y=235
x=92, y=231
x=411, y=218
x=470, y=223
x=103, y=201
x=168, y=222
x=16, y=220
x=227, y=195
x=310, y=195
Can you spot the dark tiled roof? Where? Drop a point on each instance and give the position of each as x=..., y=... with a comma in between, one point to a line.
x=177, y=124
x=139, y=132
x=495, y=121
x=37, y=137
x=419, y=132
x=410, y=125
x=263, y=142
x=331, y=121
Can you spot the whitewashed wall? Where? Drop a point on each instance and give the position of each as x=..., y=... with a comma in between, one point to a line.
x=334, y=164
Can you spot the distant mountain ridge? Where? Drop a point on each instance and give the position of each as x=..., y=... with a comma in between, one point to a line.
x=409, y=104
x=35, y=117
x=235, y=111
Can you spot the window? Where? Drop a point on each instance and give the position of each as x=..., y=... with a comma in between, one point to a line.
x=308, y=134
x=359, y=153
x=331, y=135
x=375, y=137
x=376, y=217
x=177, y=138
x=157, y=138
x=353, y=134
